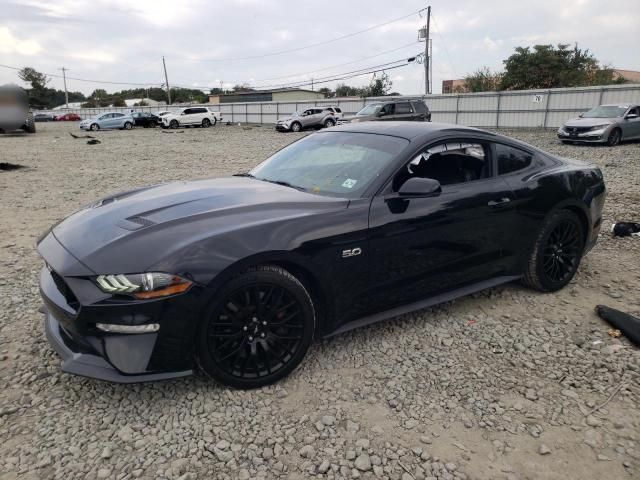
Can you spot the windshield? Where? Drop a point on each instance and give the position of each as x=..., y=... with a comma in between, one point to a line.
x=370, y=110
x=337, y=164
x=604, y=111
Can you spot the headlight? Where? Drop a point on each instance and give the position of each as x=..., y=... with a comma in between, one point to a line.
x=599, y=127
x=143, y=285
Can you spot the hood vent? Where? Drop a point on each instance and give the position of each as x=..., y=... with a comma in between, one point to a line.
x=135, y=223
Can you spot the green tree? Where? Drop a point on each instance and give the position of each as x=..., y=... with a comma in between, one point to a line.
x=118, y=101
x=546, y=66
x=343, y=90
x=36, y=79
x=482, y=80
x=379, y=86
x=327, y=92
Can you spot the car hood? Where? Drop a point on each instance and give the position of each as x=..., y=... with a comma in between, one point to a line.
x=288, y=119
x=149, y=222
x=589, y=122
x=361, y=118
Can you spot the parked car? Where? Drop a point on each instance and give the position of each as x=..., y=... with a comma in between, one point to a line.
x=311, y=118
x=146, y=119
x=14, y=110
x=337, y=112
x=610, y=124
x=191, y=117
x=43, y=117
x=345, y=227
x=68, y=117
x=405, y=110
x=110, y=120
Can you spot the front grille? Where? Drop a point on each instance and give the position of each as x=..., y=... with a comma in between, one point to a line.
x=577, y=129
x=64, y=289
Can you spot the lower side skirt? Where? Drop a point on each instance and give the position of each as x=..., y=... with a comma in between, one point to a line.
x=420, y=304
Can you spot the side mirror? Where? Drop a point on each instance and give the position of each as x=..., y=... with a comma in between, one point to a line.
x=420, y=187
x=381, y=113
x=581, y=115
x=631, y=115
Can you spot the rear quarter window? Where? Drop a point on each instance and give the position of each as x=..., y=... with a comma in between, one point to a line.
x=511, y=159
x=420, y=107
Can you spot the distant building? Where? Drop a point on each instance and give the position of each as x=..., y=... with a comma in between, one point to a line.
x=71, y=105
x=632, y=76
x=278, y=95
x=150, y=103
x=453, y=86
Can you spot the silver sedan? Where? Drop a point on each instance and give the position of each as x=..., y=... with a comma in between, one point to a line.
x=610, y=124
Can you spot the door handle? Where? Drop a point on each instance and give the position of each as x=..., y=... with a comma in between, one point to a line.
x=502, y=201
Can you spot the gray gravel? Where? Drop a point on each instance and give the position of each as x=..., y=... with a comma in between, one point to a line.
x=501, y=385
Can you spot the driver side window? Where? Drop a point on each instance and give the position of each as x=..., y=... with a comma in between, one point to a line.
x=449, y=163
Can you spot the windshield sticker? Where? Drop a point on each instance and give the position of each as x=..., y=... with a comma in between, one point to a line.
x=349, y=183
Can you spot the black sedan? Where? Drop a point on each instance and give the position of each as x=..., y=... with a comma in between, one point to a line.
x=145, y=119
x=342, y=228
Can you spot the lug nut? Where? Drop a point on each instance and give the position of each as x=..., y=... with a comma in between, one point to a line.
x=264, y=322
x=255, y=319
x=245, y=328
x=262, y=335
x=250, y=338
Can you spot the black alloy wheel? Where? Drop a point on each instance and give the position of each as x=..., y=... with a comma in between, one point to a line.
x=206, y=123
x=258, y=330
x=557, y=252
x=173, y=124
x=614, y=137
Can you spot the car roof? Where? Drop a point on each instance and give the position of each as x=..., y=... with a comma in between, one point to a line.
x=407, y=130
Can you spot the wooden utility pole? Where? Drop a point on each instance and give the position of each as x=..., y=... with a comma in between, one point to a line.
x=64, y=79
x=166, y=79
x=427, y=60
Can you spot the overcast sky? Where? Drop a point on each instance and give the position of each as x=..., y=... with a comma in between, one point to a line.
x=202, y=40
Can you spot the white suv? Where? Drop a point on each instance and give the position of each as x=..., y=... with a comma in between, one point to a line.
x=191, y=117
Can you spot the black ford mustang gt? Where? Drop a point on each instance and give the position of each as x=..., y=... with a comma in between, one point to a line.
x=344, y=227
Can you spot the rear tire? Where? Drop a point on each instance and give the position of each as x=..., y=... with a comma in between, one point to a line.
x=30, y=126
x=206, y=123
x=556, y=253
x=328, y=123
x=128, y=125
x=614, y=137
x=257, y=328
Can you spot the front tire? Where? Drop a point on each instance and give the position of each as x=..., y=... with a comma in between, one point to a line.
x=206, y=123
x=173, y=124
x=296, y=127
x=614, y=137
x=556, y=253
x=94, y=127
x=257, y=329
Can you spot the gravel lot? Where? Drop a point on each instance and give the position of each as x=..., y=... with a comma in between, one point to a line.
x=499, y=385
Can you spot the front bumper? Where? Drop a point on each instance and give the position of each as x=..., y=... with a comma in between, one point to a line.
x=72, y=307
x=77, y=360
x=282, y=127
x=598, y=136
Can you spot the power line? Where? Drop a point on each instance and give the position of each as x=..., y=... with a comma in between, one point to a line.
x=304, y=47
x=379, y=67
x=105, y=82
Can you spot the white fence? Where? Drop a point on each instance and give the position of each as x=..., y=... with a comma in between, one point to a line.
x=507, y=109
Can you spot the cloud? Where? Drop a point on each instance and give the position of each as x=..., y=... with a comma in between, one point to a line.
x=12, y=44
